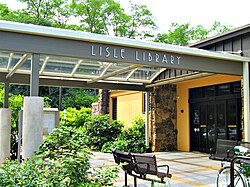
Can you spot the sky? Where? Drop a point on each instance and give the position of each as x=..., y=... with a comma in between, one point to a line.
x=195, y=12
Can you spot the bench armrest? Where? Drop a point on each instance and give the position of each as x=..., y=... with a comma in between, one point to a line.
x=167, y=166
x=212, y=150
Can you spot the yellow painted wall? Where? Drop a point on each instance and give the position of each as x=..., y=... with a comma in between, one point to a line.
x=129, y=105
x=183, y=126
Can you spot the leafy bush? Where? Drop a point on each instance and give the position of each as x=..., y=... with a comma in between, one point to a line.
x=131, y=139
x=15, y=174
x=122, y=145
x=76, y=118
x=62, y=138
x=100, y=130
x=97, y=129
x=62, y=160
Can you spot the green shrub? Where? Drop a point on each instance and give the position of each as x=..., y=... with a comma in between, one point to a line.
x=75, y=118
x=122, y=145
x=61, y=161
x=101, y=130
x=60, y=138
x=15, y=174
x=131, y=139
x=66, y=149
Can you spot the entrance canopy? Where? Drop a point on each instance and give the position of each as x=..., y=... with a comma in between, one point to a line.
x=79, y=59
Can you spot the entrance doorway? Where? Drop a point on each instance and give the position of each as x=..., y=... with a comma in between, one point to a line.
x=214, y=114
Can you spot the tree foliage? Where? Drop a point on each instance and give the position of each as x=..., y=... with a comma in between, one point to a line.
x=56, y=11
x=184, y=34
x=79, y=98
x=107, y=17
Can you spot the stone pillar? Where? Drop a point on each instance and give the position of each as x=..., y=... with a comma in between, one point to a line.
x=32, y=125
x=5, y=130
x=163, y=118
x=103, y=101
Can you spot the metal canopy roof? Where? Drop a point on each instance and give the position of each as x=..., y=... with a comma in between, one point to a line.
x=73, y=58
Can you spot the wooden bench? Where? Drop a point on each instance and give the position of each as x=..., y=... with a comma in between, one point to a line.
x=140, y=166
x=224, y=150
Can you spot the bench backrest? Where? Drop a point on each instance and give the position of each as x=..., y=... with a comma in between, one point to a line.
x=145, y=164
x=123, y=158
x=224, y=145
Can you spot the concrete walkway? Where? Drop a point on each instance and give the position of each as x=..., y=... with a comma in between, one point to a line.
x=188, y=169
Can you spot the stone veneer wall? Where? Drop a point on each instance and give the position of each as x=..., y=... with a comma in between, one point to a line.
x=163, y=118
x=103, y=101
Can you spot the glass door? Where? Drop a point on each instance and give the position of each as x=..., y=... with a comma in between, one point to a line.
x=221, y=128
x=233, y=120
x=195, y=127
x=211, y=129
x=215, y=113
x=203, y=127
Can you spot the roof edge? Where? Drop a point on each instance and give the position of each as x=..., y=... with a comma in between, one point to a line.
x=91, y=37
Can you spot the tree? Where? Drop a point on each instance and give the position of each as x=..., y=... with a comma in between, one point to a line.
x=184, y=34
x=4, y=10
x=55, y=11
x=107, y=17
x=96, y=16
x=79, y=98
x=141, y=23
x=21, y=16
x=177, y=35
x=218, y=28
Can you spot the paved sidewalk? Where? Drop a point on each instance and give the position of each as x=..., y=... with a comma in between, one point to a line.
x=188, y=169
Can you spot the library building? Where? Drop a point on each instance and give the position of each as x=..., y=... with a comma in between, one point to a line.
x=189, y=96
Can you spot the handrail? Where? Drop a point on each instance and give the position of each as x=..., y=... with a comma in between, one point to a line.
x=232, y=167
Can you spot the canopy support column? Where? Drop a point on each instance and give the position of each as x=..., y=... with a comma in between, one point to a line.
x=5, y=130
x=6, y=95
x=5, y=126
x=147, y=127
x=60, y=99
x=246, y=101
x=34, y=77
x=32, y=125
x=33, y=117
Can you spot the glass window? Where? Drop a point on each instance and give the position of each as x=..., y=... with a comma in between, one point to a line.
x=114, y=108
x=224, y=89
x=196, y=93
x=209, y=91
x=236, y=88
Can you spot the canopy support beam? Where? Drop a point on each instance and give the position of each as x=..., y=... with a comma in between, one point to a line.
x=19, y=63
x=113, y=74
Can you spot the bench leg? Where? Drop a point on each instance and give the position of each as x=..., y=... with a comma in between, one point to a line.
x=135, y=183
x=126, y=178
x=152, y=184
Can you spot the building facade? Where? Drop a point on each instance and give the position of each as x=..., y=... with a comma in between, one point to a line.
x=190, y=111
